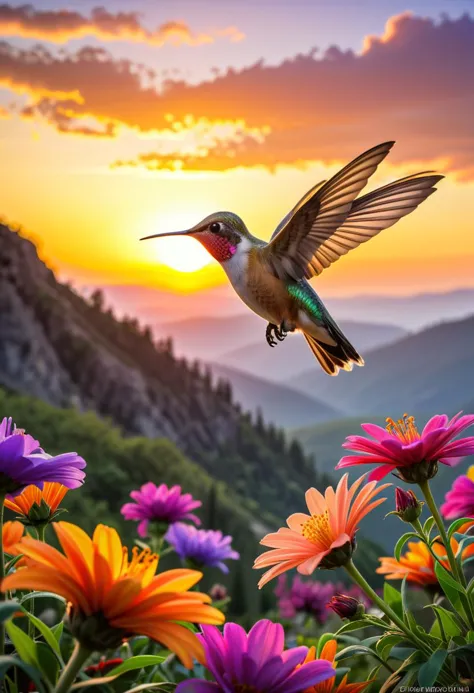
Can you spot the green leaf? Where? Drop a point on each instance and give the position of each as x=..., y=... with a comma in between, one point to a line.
x=466, y=540
x=7, y=609
x=428, y=526
x=429, y=671
x=393, y=598
x=137, y=662
x=57, y=631
x=352, y=625
x=8, y=661
x=456, y=524
x=322, y=641
x=401, y=543
x=46, y=632
x=24, y=645
x=401, y=653
x=447, y=622
x=385, y=644
x=47, y=662
x=450, y=586
x=355, y=650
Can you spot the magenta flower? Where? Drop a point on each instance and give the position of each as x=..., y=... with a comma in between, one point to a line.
x=460, y=500
x=201, y=547
x=255, y=662
x=401, y=447
x=160, y=504
x=23, y=463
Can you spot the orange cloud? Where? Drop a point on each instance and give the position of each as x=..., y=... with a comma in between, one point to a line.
x=4, y=113
x=414, y=84
x=60, y=26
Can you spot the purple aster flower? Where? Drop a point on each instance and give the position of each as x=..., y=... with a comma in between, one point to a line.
x=160, y=504
x=309, y=597
x=460, y=500
x=24, y=463
x=255, y=662
x=203, y=547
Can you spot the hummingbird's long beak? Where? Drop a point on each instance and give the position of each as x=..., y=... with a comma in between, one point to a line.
x=168, y=233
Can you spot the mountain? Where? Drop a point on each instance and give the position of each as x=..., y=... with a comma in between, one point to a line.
x=411, y=312
x=70, y=352
x=205, y=338
x=427, y=372
x=324, y=442
x=293, y=357
x=277, y=403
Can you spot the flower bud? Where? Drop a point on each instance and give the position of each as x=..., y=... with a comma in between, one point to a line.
x=218, y=593
x=408, y=507
x=346, y=607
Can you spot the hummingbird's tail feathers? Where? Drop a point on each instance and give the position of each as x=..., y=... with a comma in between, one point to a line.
x=334, y=357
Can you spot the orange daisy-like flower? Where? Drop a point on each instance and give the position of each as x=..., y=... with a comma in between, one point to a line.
x=417, y=564
x=329, y=654
x=12, y=532
x=112, y=597
x=323, y=539
x=37, y=506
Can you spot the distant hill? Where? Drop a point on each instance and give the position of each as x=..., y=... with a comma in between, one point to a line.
x=293, y=357
x=324, y=441
x=412, y=312
x=206, y=338
x=278, y=404
x=427, y=372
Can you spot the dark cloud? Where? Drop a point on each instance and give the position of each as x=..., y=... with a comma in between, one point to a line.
x=60, y=26
x=414, y=84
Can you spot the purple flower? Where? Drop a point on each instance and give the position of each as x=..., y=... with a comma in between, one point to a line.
x=460, y=500
x=24, y=463
x=400, y=447
x=309, y=597
x=160, y=504
x=255, y=662
x=203, y=547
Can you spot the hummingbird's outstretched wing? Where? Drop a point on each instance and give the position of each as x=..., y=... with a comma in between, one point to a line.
x=327, y=222
x=297, y=206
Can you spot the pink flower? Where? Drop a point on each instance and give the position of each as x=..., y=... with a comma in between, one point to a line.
x=460, y=500
x=401, y=447
x=160, y=504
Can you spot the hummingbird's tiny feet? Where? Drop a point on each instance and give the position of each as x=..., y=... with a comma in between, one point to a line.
x=280, y=333
x=270, y=331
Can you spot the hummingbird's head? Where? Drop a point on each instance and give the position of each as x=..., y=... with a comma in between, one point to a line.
x=220, y=233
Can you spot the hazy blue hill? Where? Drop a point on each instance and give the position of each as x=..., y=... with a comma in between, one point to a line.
x=428, y=372
x=291, y=358
x=280, y=404
x=324, y=441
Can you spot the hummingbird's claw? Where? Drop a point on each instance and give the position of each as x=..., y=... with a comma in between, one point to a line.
x=271, y=329
x=280, y=333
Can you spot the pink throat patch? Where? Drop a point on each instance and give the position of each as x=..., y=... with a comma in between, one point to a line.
x=219, y=247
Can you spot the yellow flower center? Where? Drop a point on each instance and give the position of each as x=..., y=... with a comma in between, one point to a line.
x=317, y=529
x=141, y=562
x=405, y=429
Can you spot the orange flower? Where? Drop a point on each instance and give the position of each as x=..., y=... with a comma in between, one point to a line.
x=417, y=564
x=323, y=539
x=329, y=654
x=111, y=597
x=12, y=533
x=38, y=506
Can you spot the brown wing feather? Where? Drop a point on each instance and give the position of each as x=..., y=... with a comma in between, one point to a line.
x=291, y=253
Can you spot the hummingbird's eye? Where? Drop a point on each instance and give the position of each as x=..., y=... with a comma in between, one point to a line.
x=215, y=227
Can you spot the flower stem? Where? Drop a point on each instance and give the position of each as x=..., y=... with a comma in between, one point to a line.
x=2, y=575
x=79, y=656
x=385, y=608
x=40, y=530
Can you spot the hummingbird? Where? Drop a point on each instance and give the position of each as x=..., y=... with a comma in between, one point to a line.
x=329, y=221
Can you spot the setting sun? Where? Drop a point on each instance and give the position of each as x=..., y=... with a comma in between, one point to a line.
x=181, y=254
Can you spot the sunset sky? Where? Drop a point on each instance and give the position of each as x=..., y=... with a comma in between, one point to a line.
x=146, y=116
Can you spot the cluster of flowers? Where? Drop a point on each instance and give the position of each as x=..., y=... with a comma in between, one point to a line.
x=313, y=598
x=112, y=596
